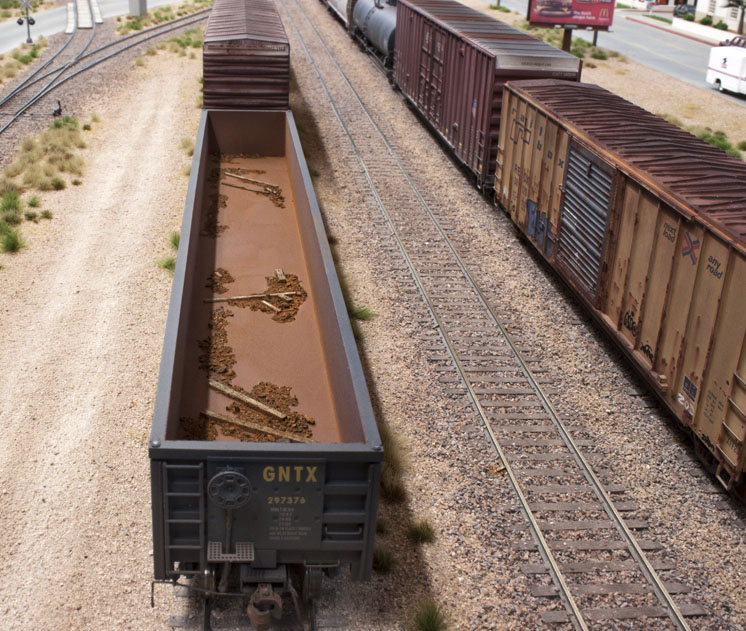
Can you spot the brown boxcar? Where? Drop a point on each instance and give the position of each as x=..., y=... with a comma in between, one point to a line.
x=648, y=224
x=451, y=62
x=246, y=57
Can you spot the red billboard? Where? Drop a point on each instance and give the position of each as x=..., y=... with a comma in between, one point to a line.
x=581, y=13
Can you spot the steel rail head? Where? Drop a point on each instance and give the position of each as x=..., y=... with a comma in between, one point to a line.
x=635, y=550
x=150, y=34
x=564, y=592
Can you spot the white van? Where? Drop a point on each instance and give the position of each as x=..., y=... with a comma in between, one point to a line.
x=727, y=68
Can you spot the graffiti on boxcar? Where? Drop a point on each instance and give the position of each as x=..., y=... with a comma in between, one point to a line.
x=648, y=352
x=690, y=247
x=629, y=322
x=669, y=231
x=713, y=266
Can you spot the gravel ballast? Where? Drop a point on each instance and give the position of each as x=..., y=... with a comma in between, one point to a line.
x=83, y=314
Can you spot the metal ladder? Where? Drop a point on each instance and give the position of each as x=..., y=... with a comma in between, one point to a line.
x=185, y=515
x=732, y=435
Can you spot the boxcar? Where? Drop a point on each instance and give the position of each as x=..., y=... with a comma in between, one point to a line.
x=264, y=451
x=246, y=57
x=648, y=224
x=451, y=63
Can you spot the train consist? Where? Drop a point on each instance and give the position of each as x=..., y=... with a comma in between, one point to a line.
x=655, y=247
x=265, y=455
x=645, y=222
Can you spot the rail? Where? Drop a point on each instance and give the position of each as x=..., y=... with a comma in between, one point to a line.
x=457, y=356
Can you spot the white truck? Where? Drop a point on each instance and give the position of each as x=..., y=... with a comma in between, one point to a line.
x=726, y=69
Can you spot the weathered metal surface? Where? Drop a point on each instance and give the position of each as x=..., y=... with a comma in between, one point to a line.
x=376, y=21
x=702, y=178
x=263, y=504
x=246, y=57
x=451, y=62
x=651, y=227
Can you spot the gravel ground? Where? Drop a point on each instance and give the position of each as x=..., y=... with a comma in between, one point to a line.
x=85, y=307
x=83, y=314
x=449, y=462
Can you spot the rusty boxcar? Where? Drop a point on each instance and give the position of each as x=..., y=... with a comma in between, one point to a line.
x=246, y=57
x=451, y=63
x=265, y=456
x=648, y=224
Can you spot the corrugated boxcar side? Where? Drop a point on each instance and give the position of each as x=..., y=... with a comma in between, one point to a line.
x=451, y=62
x=662, y=277
x=246, y=57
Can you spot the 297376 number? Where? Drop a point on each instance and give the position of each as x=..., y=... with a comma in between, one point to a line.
x=286, y=499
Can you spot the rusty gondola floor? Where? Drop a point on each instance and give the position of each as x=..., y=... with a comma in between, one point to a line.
x=255, y=328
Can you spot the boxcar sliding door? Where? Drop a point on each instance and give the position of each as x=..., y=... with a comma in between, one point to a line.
x=586, y=204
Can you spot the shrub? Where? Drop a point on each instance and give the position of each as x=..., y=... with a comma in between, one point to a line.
x=722, y=26
x=169, y=263
x=58, y=184
x=719, y=140
x=76, y=182
x=689, y=17
x=86, y=127
x=46, y=214
x=421, y=532
x=430, y=616
x=175, y=239
x=362, y=313
x=742, y=145
x=10, y=201
x=12, y=218
x=706, y=21
x=383, y=559
x=11, y=241
x=33, y=202
x=31, y=216
x=187, y=144
x=599, y=54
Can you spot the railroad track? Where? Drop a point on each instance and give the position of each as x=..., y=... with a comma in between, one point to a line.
x=598, y=566
x=34, y=88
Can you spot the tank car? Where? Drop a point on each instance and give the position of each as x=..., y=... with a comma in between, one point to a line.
x=374, y=23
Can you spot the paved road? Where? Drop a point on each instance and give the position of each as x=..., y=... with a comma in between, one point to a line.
x=54, y=21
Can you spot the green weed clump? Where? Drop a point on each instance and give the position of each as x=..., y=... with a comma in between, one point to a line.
x=169, y=263
x=430, y=616
x=362, y=313
x=720, y=140
x=10, y=201
x=383, y=559
x=421, y=532
x=10, y=239
x=33, y=202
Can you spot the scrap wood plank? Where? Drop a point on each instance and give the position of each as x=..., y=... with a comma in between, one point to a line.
x=257, y=428
x=244, y=398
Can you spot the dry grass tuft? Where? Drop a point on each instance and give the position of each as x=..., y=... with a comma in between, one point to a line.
x=41, y=161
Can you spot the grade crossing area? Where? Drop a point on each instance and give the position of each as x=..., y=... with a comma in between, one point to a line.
x=87, y=11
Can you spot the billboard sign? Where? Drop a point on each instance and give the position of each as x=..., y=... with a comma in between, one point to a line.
x=580, y=13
